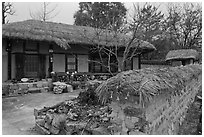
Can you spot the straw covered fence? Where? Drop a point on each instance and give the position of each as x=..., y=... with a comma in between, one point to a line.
x=141, y=85
x=151, y=101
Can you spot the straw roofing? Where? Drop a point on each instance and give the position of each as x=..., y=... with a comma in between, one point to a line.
x=64, y=35
x=139, y=86
x=182, y=54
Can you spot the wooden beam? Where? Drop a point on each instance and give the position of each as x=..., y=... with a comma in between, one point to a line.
x=139, y=61
x=50, y=60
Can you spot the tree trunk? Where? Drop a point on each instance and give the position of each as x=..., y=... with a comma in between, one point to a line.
x=3, y=16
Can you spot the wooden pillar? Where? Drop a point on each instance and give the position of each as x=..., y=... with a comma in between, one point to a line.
x=139, y=61
x=76, y=62
x=50, y=69
x=8, y=49
x=65, y=62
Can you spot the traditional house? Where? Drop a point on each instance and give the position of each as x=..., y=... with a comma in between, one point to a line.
x=34, y=49
x=182, y=57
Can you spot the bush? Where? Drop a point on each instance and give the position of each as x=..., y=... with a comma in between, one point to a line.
x=89, y=96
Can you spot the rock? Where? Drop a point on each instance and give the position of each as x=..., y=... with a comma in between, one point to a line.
x=48, y=118
x=39, y=84
x=41, y=129
x=134, y=119
x=58, y=89
x=136, y=133
x=105, y=119
x=129, y=123
x=59, y=83
x=47, y=125
x=69, y=88
x=100, y=131
x=59, y=121
x=54, y=130
x=5, y=88
x=40, y=122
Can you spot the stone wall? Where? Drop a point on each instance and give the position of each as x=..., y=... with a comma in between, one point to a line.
x=13, y=89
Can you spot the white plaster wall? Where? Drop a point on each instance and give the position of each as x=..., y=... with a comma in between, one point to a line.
x=4, y=62
x=13, y=66
x=58, y=62
x=135, y=63
x=83, y=65
x=176, y=63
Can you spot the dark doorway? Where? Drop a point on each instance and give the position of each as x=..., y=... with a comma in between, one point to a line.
x=30, y=66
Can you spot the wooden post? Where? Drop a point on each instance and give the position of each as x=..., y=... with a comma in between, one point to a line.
x=139, y=61
x=50, y=60
x=8, y=49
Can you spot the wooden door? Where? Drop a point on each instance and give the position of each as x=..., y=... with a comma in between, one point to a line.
x=31, y=66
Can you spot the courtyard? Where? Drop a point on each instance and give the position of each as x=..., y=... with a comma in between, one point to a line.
x=17, y=112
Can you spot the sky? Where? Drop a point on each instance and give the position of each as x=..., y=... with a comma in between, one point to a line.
x=64, y=10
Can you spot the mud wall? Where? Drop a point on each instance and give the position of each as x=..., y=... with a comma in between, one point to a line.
x=166, y=113
x=163, y=114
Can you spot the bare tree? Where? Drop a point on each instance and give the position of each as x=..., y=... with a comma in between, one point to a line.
x=7, y=9
x=184, y=24
x=46, y=12
x=120, y=45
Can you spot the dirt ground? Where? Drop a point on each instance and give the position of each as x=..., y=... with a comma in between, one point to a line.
x=18, y=117
x=17, y=112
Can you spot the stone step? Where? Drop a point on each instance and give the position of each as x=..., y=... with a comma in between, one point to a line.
x=34, y=90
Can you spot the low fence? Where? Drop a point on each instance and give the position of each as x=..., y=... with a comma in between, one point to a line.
x=13, y=89
x=151, y=101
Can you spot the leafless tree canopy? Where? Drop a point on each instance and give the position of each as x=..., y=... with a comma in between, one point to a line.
x=180, y=28
x=7, y=9
x=46, y=12
x=185, y=24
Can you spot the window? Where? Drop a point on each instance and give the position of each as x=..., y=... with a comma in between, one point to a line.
x=71, y=63
x=95, y=65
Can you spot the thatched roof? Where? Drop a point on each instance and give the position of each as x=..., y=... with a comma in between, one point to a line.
x=140, y=86
x=182, y=54
x=64, y=35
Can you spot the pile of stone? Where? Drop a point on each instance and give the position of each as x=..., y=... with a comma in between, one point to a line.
x=71, y=117
x=60, y=87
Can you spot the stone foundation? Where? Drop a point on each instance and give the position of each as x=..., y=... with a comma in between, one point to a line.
x=10, y=89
